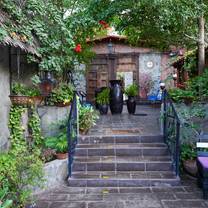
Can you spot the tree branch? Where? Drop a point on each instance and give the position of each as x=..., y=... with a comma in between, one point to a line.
x=192, y=38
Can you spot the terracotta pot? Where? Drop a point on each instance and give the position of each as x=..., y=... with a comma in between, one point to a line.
x=21, y=100
x=190, y=167
x=37, y=100
x=61, y=156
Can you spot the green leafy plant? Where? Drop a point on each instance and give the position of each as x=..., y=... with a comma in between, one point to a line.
x=188, y=152
x=179, y=95
x=35, y=127
x=21, y=166
x=131, y=90
x=103, y=97
x=62, y=94
x=23, y=90
x=87, y=118
x=4, y=194
x=58, y=143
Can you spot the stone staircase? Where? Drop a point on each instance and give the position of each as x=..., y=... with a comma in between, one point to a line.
x=122, y=161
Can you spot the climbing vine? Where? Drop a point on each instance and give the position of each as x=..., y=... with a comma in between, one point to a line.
x=21, y=168
x=35, y=128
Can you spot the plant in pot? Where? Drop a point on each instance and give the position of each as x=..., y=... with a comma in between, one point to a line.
x=59, y=144
x=19, y=94
x=24, y=95
x=102, y=100
x=62, y=95
x=87, y=118
x=188, y=158
x=131, y=91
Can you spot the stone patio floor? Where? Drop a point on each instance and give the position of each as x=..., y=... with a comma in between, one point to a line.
x=144, y=122
x=187, y=195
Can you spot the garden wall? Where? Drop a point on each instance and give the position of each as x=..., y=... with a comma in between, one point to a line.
x=50, y=115
x=4, y=99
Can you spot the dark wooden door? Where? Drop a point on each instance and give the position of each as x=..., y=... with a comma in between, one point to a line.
x=97, y=76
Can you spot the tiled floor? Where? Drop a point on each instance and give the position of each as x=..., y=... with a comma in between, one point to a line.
x=146, y=122
x=187, y=195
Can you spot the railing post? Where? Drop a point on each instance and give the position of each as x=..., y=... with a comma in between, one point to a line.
x=164, y=115
x=177, y=156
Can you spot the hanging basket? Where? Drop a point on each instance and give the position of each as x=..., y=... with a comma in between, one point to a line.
x=21, y=100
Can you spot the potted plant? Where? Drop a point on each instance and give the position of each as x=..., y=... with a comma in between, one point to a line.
x=23, y=95
x=131, y=91
x=19, y=95
x=62, y=95
x=188, y=158
x=87, y=118
x=102, y=100
x=59, y=144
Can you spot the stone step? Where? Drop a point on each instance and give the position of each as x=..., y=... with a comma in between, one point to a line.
x=123, y=166
x=120, y=139
x=123, y=179
x=106, y=159
x=120, y=145
x=144, y=149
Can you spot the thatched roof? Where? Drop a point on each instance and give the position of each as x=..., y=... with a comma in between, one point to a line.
x=16, y=40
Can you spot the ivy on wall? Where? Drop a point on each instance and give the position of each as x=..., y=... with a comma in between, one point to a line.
x=21, y=167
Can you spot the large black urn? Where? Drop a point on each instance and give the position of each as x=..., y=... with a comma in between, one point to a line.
x=116, y=97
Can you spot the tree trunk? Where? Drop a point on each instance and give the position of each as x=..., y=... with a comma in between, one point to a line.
x=201, y=46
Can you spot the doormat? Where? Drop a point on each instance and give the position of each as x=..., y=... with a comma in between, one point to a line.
x=140, y=114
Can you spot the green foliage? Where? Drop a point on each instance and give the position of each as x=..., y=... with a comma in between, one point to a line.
x=23, y=90
x=21, y=167
x=103, y=97
x=63, y=93
x=188, y=152
x=34, y=125
x=196, y=89
x=58, y=26
x=179, y=95
x=199, y=86
x=4, y=194
x=58, y=143
x=87, y=118
x=131, y=90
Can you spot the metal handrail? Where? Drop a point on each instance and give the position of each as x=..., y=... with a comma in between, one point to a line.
x=171, y=131
x=72, y=132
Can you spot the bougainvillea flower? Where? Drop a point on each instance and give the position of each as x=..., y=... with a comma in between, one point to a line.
x=78, y=48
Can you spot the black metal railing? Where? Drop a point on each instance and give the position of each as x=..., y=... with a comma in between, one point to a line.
x=72, y=132
x=171, y=130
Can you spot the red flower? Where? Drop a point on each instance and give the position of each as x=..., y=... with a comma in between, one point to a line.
x=78, y=48
x=104, y=23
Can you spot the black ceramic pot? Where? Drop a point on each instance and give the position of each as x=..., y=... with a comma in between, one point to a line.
x=116, y=97
x=103, y=109
x=131, y=104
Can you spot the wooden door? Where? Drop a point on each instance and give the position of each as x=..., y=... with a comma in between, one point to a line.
x=97, y=76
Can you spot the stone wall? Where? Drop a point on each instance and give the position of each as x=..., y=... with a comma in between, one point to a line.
x=4, y=97
x=50, y=115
